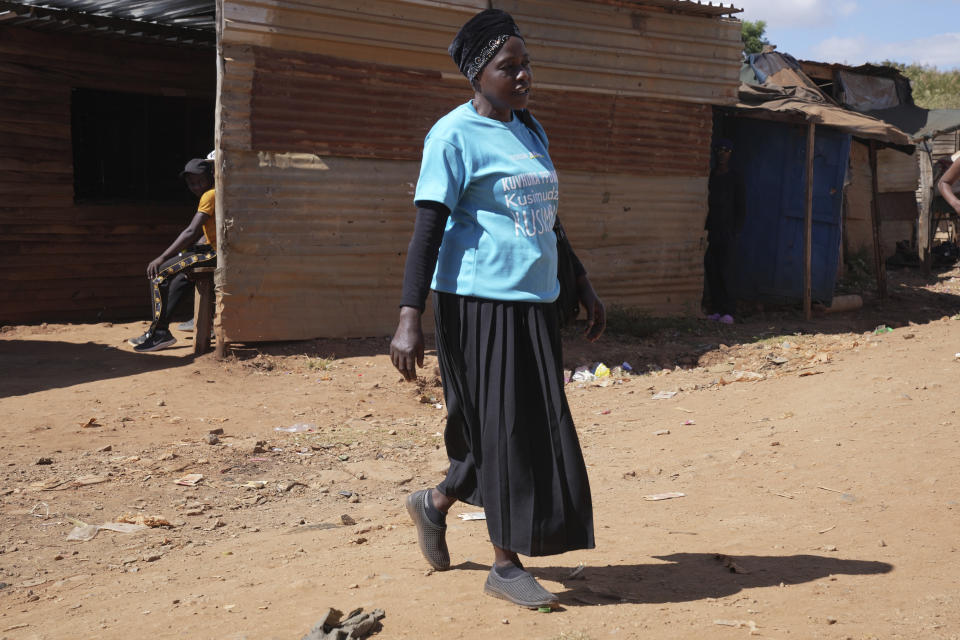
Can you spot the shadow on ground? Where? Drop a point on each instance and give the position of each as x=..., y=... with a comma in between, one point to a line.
x=692, y=576
x=38, y=365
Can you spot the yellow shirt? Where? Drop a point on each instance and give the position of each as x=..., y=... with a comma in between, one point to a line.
x=208, y=206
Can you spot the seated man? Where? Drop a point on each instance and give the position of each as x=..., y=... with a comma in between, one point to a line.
x=166, y=272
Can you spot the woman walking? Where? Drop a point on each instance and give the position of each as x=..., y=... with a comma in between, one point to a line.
x=484, y=242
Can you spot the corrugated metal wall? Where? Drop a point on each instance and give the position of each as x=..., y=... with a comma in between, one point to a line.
x=323, y=112
x=897, y=171
x=59, y=260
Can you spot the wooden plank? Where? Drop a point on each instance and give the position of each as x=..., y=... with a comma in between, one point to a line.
x=879, y=266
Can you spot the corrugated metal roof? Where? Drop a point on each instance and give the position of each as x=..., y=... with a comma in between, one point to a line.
x=179, y=21
x=687, y=7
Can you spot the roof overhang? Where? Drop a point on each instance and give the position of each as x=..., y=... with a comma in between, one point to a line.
x=180, y=22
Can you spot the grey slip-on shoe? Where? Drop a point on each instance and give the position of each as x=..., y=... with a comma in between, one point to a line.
x=523, y=590
x=431, y=537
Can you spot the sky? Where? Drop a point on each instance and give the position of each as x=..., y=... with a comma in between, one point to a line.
x=857, y=31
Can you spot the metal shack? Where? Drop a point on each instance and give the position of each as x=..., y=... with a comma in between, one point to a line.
x=322, y=111
x=102, y=103
x=886, y=94
x=794, y=150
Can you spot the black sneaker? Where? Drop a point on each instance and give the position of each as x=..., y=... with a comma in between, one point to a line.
x=139, y=339
x=156, y=341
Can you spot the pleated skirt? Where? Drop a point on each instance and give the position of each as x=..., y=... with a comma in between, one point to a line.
x=509, y=435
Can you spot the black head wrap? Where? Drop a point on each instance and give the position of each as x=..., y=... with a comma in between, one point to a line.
x=479, y=40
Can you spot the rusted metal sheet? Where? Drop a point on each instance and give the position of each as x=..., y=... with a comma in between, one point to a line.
x=60, y=260
x=316, y=246
x=632, y=50
x=312, y=246
x=312, y=104
x=897, y=171
x=581, y=45
x=641, y=238
x=858, y=234
x=323, y=112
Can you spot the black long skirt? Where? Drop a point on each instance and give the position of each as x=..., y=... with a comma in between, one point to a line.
x=510, y=438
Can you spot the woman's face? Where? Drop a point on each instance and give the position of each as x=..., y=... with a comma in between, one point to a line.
x=505, y=82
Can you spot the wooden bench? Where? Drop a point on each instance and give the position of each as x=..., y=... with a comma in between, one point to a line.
x=203, y=308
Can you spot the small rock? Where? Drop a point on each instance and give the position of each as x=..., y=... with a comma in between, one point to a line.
x=345, y=493
x=109, y=447
x=217, y=432
x=830, y=547
x=392, y=432
x=882, y=543
x=354, y=499
x=212, y=438
x=359, y=540
x=153, y=557
x=347, y=520
x=44, y=461
x=831, y=620
x=353, y=586
x=161, y=403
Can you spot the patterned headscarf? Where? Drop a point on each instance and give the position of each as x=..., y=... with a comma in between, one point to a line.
x=479, y=40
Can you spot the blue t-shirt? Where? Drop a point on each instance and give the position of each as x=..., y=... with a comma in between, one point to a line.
x=501, y=188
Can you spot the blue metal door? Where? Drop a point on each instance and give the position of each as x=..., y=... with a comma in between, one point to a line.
x=771, y=158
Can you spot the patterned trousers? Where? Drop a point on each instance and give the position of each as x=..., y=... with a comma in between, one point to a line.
x=171, y=282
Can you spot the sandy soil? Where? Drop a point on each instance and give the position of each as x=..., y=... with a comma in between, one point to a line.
x=818, y=463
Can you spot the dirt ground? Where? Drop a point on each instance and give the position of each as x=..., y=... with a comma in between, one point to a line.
x=817, y=462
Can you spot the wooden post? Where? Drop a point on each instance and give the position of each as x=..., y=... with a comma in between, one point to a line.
x=808, y=227
x=924, y=222
x=220, y=348
x=878, y=265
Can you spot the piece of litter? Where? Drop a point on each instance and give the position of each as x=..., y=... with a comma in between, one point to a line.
x=664, y=395
x=145, y=520
x=300, y=427
x=544, y=609
x=84, y=532
x=472, y=515
x=190, y=480
x=255, y=484
x=662, y=432
x=689, y=422
x=89, y=424
x=804, y=374
x=739, y=624
x=576, y=573
x=665, y=496
x=830, y=528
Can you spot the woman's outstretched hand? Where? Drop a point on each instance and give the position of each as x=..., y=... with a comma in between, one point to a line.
x=596, y=314
x=406, y=348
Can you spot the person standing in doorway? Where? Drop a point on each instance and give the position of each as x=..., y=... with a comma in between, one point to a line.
x=726, y=210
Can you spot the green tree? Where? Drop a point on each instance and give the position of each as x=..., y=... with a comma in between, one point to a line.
x=752, y=35
x=932, y=88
